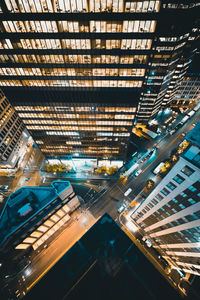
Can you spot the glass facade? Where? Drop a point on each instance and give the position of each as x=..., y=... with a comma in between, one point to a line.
x=94, y=131
x=11, y=128
x=91, y=54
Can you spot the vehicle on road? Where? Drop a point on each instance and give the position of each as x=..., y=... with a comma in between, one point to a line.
x=137, y=172
x=172, y=131
x=179, y=125
x=185, y=119
x=147, y=242
x=4, y=188
x=157, y=169
x=121, y=208
x=128, y=192
x=191, y=113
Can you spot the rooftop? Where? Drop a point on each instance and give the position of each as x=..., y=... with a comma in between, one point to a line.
x=25, y=203
x=194, y=135
x=103, y=264
x=60, y=186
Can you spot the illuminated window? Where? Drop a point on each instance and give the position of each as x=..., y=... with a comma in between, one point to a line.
x=66, y=208
x=139, y=26
x=60, y=213
x=142, y=6
x=36, y=234
x=105, y=26
x=55, y=218
x=22, y=246
x=42, y=228
x=48, y=223
x=29, y=240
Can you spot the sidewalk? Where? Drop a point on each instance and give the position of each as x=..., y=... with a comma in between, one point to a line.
x=79, y=175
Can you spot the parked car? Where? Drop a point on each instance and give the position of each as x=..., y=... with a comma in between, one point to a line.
x=4, y=188
x=121, y=208
x=172, y=131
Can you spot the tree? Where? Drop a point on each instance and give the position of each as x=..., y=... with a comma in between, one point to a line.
x=48, y=168
x=68, y=168
x=150, y=184
x=112, y=170
x=57, y=168
x=174, y=157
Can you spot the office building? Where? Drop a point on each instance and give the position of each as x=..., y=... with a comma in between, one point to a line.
x=81, y=74
x=187, y=92
x=32, y=215
x=11, y=134
x=170, y=215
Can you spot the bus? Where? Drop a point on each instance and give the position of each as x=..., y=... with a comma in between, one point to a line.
x=191, y=113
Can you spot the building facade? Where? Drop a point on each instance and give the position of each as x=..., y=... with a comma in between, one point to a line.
x=68, y=57
x=85, y=130
x=11, y=128
x=170, y=215
x=187, y=92
x=32, y=216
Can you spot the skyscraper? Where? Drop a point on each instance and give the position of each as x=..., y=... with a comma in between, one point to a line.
x=11, y=128
x=187, y=92
x=79, y=72
x=170, y=215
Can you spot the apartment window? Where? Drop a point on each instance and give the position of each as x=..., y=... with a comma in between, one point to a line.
x=183, y=195
x=171, y=186
x=191, y=201
x=165, y=192
x=179, y=179
x=192, y=188
x=175, y=200
x=154, y=201
x=195, y=217
x=159, y=197
x=181, y=206
x=187, y=171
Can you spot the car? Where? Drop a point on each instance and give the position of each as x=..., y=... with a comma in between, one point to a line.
x=121, y=208
x=4, y=187
x=127, y=192
x=147, y=242
x=178, y=126
x=172, y=131
x=137, y=173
